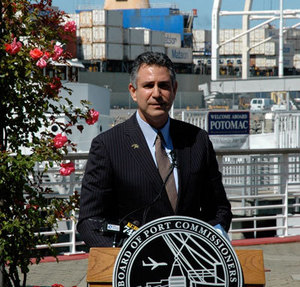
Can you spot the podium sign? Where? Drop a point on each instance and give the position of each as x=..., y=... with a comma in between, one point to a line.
x=177, y=251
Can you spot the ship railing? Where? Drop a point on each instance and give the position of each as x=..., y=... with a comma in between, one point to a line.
x=263, y=187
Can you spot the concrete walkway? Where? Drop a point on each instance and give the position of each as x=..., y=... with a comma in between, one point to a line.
x=281, y=261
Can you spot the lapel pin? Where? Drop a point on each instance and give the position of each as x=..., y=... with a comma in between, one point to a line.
x=135, y=146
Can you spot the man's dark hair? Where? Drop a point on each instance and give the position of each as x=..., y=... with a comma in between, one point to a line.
x=150, y=59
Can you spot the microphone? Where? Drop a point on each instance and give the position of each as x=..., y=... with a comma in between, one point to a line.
x=130, y=227
x=173, y=158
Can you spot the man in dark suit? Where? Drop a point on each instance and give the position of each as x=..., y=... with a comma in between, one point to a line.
x=122, y=181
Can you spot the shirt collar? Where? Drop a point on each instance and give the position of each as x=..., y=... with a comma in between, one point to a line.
x=150, y=133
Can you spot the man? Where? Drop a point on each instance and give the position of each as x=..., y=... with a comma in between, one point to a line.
x=122, y=181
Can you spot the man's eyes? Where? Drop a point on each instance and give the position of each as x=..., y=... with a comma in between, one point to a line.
x=164, y=86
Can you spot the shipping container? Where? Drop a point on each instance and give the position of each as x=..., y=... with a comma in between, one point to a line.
x=108, y=34
x=107, y=51
x=202, y=47
x=85, y=19
x=157, y=38
x=154, y=19
x=108, y=18
x=200, y=35
x=172, y=40
x=159, y=49
x=132, y=51
x=180, y=55
x=270, y=48
x=86, y=35
x=271, y=62
x=134, y=36
x=288, y=61
x=85, y=52
x=72, y=17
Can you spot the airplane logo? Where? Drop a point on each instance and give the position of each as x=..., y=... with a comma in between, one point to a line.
x=154, y=264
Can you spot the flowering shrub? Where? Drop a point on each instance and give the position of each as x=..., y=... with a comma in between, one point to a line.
x=14, y=47
x=60, y=140
x=92, y=117
x=67, y=168
x=32, y=36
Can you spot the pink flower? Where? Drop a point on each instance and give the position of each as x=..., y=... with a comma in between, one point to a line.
x=60, y=140
x=41, y=63
x=14, y=47
x=70, y=26
x=57, y=285
x=57, y=52
x=35, y=54
x=92, y=117
x=67, y=169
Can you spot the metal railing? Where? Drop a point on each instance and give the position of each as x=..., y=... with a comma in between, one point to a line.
x=263, y=187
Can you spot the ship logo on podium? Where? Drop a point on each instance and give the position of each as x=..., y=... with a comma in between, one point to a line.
x=177, y=251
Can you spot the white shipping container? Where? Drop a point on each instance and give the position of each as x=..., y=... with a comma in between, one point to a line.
x=172, y=40
x=147, y=37
x=132, y=51
x=72, y=17
x=108, y=18
x=200, y=35
x=134, y=36
x=85, y=52
x=270, y=49
x=238, y=32
x=201, y=47
x=180, y=55
x=296, y=57
x=261, y=62
x=297, y=64
x=157, y=38
x=222, y=50
x=107, y=51
x=271, y=62
x=229, y=48
x=238, y=48
x=222, y=35
x=107, y=34
x=85, y=19
x=86, y=35
x=229, y=34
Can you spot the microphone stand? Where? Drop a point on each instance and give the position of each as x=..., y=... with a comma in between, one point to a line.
x=148, y=206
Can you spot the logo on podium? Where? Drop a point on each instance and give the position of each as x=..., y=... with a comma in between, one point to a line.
x=177, y=251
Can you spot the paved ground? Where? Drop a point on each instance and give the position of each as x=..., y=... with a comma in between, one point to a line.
x=281, y=260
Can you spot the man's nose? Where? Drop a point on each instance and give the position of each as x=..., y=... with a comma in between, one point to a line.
x=156, y=91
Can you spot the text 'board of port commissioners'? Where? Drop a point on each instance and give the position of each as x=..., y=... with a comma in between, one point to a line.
x=177, y=251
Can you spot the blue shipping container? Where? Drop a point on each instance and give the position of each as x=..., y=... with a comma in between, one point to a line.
x=154, y=19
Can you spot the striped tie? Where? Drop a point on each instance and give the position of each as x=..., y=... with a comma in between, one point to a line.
x=164, y=167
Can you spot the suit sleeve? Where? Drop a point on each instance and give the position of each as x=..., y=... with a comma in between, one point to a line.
x=96, y=200
x=219, y=199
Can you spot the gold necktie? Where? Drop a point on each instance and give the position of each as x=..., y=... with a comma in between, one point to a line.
x=164, y=167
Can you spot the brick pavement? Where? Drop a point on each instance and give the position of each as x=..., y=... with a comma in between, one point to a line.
x=281, y=260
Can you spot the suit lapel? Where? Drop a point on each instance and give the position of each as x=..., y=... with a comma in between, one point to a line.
x=183, y=153
x=138, y=148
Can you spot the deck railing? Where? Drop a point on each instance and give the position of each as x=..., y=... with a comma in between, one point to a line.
x=263, y=187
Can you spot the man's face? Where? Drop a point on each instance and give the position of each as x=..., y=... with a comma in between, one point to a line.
x=154, y=94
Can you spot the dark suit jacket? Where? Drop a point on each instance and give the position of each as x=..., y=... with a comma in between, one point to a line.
x=121, y=177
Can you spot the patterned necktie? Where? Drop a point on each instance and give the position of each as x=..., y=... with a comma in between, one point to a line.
x=164, y=167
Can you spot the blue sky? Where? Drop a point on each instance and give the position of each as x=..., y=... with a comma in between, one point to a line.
x=203, y=7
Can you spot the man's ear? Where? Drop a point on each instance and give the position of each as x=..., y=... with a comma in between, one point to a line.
x=132, y=91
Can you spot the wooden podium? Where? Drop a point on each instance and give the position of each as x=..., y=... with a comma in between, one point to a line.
x=101, y=264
